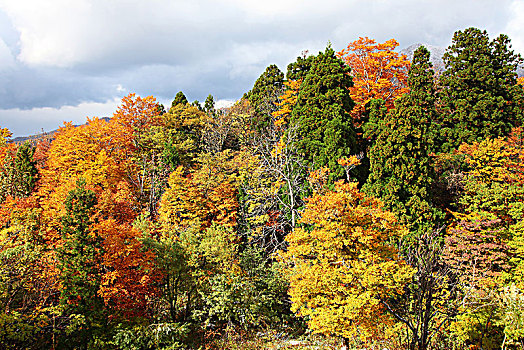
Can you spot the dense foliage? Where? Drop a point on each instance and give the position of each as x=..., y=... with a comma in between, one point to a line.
x=361, y=198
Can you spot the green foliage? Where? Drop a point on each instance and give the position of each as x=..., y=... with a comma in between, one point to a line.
x=21, y=331
x=80, y=260
x=19, y=175
x=252, y=299
x=209, y=105
x=182, y=133
x=299, y=69
x=321, y=116
x=161, y=109
x=479, y=89
x=26, y=170
x=196, y=103
x=263, y=97
x=159, y=336
x=400, y=163
x=180, y=98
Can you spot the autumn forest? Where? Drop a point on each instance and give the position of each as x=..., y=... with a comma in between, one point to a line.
x=362, y=199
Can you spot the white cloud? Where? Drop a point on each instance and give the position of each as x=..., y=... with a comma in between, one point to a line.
x=33, y=121
x=7, y=60
x=515, y=27
x=224, y=103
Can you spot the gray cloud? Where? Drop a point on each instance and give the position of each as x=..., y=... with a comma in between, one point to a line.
x=64, y=53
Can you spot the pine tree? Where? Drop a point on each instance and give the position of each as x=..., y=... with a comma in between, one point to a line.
x=480, y=94
x=180, y=98
x=209, y=105
x=80, y=260
x=298, y=70
x=321, y=116
x=263, y=97
x=25, y=170
x=401, y=171
x=19, y=174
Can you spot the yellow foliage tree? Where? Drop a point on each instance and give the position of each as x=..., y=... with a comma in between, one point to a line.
x=341, y=266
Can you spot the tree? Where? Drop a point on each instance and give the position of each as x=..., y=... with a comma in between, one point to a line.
x=19, y=174
x=5, y=135
x=80, y=260
x=480, y=94
x=322, y=114
x=209, y=105
x=341, y=265
x=263, y=97
x=378, y=72
x=400, y=163
x=25, y=171
x=203, y=196
x=484, y=242
x=298, y=70
x=180, y=98
x=129, y=282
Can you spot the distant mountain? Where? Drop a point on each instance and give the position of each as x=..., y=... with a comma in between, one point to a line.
x=46, y=135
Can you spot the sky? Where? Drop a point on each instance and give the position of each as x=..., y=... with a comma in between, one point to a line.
x=65, y=60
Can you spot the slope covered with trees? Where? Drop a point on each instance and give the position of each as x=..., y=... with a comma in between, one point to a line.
x=360, y=197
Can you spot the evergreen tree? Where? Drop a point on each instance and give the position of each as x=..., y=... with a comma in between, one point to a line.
x=321, y=116
x=80, y=260
x=25, y=170
x=180, y=98
x=161, y=109
x=400, y=164
x=19, y=175
x=196, y=103
x=298, y=70
x=209, y=105
x=480, y=94
x=263, y=97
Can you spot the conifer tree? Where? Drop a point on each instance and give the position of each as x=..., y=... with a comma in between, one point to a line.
x=180, y=98
x=209, y=105
x=80, y=258
x=19, y=175
x=400, y=165
x=479, y=89
x=298, y=70
x=321, y=116
x=263, y=97
x=26, y=170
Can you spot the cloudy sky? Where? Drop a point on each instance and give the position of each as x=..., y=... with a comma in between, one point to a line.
x=68, y=59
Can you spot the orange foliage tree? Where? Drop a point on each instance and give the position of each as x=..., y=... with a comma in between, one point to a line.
x=378, y=73
x=101, y=153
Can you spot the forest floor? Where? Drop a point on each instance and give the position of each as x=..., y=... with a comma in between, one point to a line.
x=274, y=341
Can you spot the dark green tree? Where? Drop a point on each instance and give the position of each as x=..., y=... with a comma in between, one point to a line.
x=321, y=117
x=161, y=109
x=196, y=103
x=80, y=260
x=209, y=105
x=19, y=175
x=480, y=95
x=26, y=170
x=180, y=98
x=298, y=70
x=263, y=97
x=400, y=164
